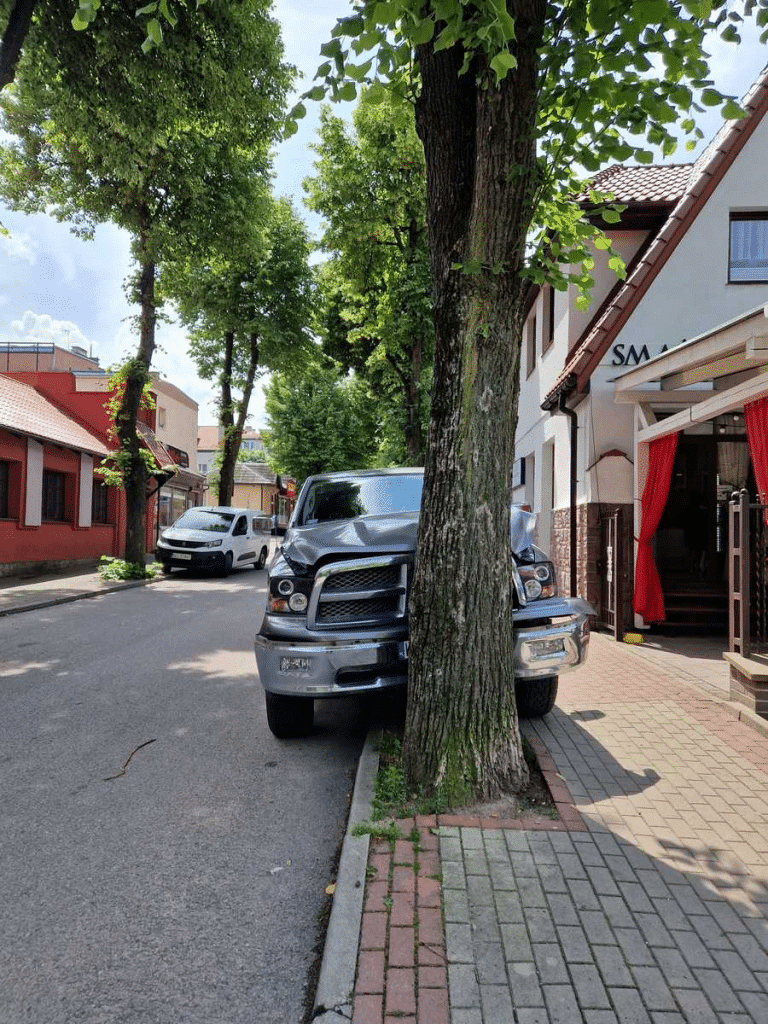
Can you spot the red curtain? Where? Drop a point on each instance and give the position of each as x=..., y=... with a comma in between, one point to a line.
x=756, y=421
x=649, y=600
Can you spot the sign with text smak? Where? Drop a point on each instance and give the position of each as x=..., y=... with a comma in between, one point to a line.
x=628, y=355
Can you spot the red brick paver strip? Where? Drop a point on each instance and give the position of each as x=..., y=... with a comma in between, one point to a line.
x=646, y=900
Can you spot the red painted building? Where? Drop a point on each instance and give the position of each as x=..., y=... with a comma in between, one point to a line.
x=55, y=511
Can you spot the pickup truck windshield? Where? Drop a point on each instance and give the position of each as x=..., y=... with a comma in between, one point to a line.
x=328, y=500
x=201, y=519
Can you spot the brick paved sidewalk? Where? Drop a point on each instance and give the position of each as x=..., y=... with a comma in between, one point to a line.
x=647, y=905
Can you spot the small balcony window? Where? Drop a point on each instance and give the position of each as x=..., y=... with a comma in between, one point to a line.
x=748, y=257
x=54, y=485
x=100, y=504
x=4, y=490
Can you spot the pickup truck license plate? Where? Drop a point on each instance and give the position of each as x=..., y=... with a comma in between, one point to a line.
x=186, y=558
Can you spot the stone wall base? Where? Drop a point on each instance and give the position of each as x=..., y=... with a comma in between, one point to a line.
x=48, y=567
x=749, y=682
x=591, y=555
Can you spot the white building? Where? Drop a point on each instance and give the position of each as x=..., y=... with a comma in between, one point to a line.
x=695, y=241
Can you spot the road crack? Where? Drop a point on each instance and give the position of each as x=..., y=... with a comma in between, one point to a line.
x=121, y=773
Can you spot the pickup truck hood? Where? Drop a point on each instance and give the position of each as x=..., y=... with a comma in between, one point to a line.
x=372, y=535
x=352, y=538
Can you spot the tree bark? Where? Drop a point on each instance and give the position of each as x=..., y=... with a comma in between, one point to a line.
x=479, y=140
x=233, y=428
x=19, y=20
x=136, y=475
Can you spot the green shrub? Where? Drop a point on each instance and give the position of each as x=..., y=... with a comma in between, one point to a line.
x=117, y=569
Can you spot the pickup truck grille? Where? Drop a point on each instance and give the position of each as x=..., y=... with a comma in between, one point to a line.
x=373, y=578
x=363, y=592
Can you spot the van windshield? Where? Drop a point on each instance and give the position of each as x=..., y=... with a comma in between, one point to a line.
x=328, y=500
x=205, y=519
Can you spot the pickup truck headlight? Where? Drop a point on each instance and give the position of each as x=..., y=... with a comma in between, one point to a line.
x=288, y=594
x=538, y=580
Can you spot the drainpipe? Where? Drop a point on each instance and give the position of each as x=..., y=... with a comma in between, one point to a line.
x=573, y=417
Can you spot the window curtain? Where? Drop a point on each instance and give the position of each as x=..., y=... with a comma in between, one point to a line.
x=756, y=421
x=649, y=600
x=732, y=464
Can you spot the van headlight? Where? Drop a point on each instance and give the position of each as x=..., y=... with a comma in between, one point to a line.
x=538, y=580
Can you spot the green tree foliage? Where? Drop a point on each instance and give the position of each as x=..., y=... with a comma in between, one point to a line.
x=370, y=188
x=514, y=100
x=152, y=141
x=248, y=308
x=319, y=420
x=16, y=17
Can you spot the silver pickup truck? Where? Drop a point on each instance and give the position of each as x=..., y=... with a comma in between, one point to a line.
x=336, y=618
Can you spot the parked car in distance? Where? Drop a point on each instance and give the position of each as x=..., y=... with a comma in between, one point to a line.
x=336, y=619
x=217, y=539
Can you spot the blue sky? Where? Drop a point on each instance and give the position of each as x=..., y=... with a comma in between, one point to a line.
x=56, y=287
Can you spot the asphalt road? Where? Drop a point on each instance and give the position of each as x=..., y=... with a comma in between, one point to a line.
x=163, y=859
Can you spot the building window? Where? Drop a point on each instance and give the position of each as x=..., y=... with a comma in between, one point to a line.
x=748, y=257
x=531, y=345
x=548, y=332
x=53, y=496
x=4, y=490
x=100, y=507
x=160, y=416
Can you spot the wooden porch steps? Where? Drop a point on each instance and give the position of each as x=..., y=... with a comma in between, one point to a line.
x=695, y=607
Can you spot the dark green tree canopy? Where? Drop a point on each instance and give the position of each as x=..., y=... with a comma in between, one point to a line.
x=370, y=188
x=319, y=420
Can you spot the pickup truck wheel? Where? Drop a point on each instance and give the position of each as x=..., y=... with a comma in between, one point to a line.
x=226, y=565
x=289, y=717
x=261, y=560
x=535, y=697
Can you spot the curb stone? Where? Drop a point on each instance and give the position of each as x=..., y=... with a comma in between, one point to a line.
x=338, y=969
x=81, y=596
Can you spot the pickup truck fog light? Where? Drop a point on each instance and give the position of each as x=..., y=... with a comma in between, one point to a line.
x=297, y=602
x=545, y=648
x=295, y=665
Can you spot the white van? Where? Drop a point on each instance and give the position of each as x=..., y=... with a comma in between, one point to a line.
x=217, y=539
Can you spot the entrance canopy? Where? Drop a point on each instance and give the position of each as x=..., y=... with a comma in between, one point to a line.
x=716, y=373
x=722, y=372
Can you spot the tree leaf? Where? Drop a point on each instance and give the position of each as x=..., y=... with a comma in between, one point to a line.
x=503, y=63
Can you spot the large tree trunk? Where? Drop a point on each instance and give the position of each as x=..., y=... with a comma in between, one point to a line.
x=461, y=726
x=228, y=449
x=16, y=29
x=233, y=427
x=135, y=474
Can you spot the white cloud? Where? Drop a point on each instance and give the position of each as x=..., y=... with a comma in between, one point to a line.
x=19, y=247
x=40, y=327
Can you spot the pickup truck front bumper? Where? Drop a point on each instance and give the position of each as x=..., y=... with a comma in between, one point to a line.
x=551, y=637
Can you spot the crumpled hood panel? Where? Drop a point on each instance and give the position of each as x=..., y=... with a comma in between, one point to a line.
x=374, y=535
x=368, y=535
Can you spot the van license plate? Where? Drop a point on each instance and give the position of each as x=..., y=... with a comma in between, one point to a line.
x=186, y=558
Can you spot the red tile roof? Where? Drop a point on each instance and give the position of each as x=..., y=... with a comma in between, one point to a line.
x=650, y=183
x=207, y=439
x=26, y=411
